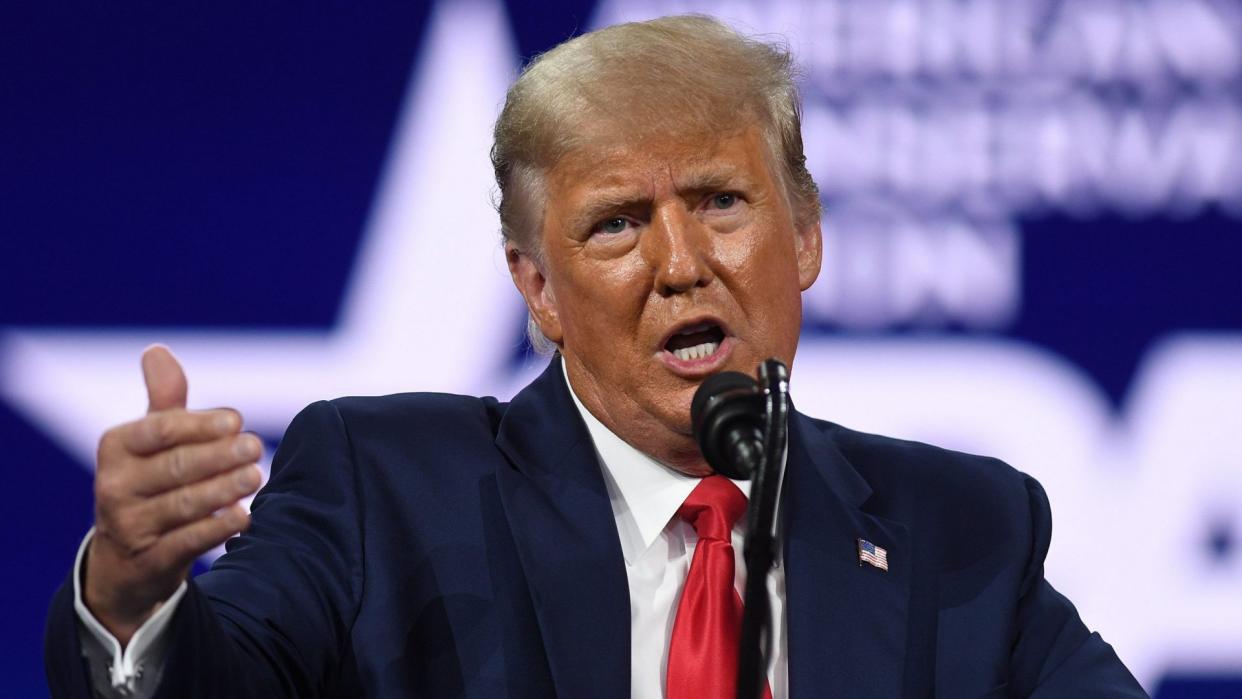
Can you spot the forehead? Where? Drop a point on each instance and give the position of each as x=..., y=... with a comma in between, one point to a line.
x=658, y=162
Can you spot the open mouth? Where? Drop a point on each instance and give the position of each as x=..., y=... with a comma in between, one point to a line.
x=695, y=342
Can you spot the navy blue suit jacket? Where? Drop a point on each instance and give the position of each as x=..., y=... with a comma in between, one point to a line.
x=439, y=545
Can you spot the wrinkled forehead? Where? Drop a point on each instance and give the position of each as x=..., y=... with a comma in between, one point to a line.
x=614, y=156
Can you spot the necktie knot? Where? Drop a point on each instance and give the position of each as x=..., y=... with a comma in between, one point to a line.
x=713, y=507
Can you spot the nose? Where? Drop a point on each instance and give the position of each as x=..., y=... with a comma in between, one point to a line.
x=677, y=249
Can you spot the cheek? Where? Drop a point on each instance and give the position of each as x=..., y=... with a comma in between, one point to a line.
x=763, y=279
x=601, y=300
x=762, y=265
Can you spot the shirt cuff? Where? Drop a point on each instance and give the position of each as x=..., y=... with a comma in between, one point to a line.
x=135, y=669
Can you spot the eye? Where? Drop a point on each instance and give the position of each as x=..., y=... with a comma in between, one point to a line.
x=612, y=226
x=724, y=200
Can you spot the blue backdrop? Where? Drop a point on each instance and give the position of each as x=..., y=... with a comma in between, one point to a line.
x=1031, y=217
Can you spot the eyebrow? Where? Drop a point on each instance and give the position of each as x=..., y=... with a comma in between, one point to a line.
x=609, y=201
x=707, y=179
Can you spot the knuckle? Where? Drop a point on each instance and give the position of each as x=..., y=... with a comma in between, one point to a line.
x=163, y=430
x=109, y=488
x=185, y=503
x=146, y=434
x=175, y=464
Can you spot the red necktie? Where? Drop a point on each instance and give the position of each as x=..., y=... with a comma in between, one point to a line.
x=702, y=655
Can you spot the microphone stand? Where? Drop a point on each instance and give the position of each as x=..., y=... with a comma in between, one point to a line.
x=762, y=538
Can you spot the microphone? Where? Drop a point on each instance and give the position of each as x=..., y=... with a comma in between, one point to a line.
x=743, y=431
x=727, y=415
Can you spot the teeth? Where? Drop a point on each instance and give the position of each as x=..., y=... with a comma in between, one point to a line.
x=706, y=349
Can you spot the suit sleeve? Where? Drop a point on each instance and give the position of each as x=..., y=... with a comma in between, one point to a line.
x=1054, y=654
x=272, y=618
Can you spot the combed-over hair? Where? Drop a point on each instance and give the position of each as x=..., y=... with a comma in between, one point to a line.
x=681, y=74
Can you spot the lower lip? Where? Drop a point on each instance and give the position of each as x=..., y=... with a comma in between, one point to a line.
x=696, y=368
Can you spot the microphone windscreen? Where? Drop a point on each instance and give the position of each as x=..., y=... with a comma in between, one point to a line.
x=726, y=415
x=716, y=385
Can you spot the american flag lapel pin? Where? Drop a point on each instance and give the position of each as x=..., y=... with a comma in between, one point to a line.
x=872, y=555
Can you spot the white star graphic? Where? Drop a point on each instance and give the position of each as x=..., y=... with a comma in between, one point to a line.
x=429, y=306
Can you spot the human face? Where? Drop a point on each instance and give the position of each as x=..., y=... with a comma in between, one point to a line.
x=656, y=246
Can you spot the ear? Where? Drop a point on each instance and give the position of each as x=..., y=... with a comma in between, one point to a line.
x=809, y=245
x=530, y=281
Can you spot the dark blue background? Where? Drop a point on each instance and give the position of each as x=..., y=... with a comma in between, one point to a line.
x=214, y=167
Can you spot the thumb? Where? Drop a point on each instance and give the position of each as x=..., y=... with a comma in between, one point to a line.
x=166, y=384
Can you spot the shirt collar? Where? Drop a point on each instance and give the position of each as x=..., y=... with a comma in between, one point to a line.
x=644, y=493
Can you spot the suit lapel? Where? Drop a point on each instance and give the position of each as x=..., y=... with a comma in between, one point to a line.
x=847, y=623
x=557, y=507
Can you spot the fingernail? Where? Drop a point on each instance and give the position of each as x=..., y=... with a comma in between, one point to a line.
x=247, y=447
x=248, y=478
x=226, y=422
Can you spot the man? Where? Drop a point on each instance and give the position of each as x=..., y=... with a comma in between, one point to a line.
x=661, y=225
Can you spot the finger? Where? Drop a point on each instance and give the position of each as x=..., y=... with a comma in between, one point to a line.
x=181, y=546
x=164, y=430
x=166, y=384
x=191, y=463
x=175, y=508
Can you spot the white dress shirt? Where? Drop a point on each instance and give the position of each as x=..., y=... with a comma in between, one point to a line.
x=133, y=671
x=657, y=546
